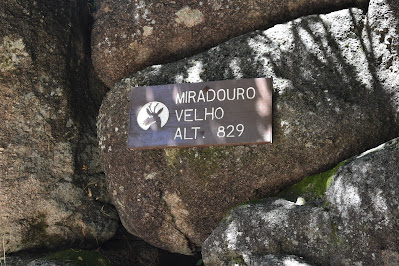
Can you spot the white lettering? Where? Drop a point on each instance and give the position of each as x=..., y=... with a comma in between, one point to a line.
x=191, y=96
x=253, y=93
x=179, y=116
x=220, y=109
x=185, y=134
x=208, y=99
x=229, y=96
x=224, y=95
x=201, y=96
x=208, y=113
x=178, y=134
x=195, y=116
x=180, y=99
x=220, y=95
x=187, y=114
x=191, y=115
x=240, y=91
x=195, y=131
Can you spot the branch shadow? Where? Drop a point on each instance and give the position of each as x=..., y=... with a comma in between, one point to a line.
x=313, y=61
x=311, y=57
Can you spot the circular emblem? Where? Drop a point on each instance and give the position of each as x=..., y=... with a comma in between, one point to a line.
x=153, y=115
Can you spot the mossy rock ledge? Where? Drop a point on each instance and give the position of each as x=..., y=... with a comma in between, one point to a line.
x=356, y=225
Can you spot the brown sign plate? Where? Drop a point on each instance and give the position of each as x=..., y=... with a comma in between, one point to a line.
x=201, y=114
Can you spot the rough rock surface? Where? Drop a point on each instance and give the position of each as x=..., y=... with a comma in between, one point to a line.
x=329, y=105
x=131, y=35
x=48, y=104
x=274, y=226
x=383, y=30
x=358, y=225
x=40, y=262
x=268, y=260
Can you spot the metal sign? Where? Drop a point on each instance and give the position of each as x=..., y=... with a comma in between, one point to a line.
x=229, y=112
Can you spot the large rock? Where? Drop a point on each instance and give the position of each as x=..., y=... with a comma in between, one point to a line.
x=358, y=224
x=329, y=104
x=272, y=226
x=131, y=35
x=49, y=101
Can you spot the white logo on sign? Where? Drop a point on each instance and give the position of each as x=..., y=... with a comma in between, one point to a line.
x=153, y=115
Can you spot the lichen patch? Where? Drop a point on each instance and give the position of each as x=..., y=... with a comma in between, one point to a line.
x=179, y=213
x=140, y=52
x=11, y=53
x=147, y=31
x=189, y=17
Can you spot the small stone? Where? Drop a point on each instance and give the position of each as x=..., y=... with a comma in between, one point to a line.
x=300, y=201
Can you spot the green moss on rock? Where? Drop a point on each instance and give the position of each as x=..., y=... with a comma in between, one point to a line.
x=312, y=187
x=336, y=238
x=80, y=257
x=11, y=53
x=203, y=162
x=239, y=261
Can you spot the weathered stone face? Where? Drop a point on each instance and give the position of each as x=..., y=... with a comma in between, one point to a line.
x=383, y=27
x=44, y=81
x=131, y=35
x=358, y=225
x=328, y=105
